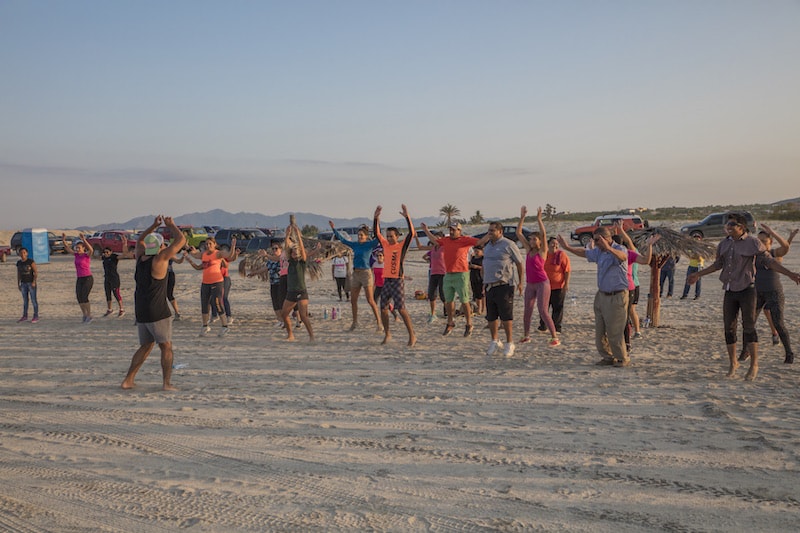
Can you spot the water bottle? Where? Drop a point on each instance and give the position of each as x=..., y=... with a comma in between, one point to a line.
x=325, y=313
x=333, y=313
x=574, y=300
x=646, y=322
x=338, y=312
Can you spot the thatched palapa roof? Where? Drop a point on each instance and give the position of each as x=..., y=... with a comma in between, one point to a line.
x=673, y=243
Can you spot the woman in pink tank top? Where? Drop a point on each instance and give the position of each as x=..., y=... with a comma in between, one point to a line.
x=83, y=268
x=537, y=286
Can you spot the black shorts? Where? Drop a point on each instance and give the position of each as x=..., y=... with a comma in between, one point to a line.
x=296, y=296
x=170, y=286
x=633, y=298
x=500, y=303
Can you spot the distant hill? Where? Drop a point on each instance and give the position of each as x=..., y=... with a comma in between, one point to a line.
x=218, y=217
x=783, y=209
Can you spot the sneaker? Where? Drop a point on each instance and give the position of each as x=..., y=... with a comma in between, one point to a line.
x=223, y=331
x=775, y=340
x=177, y=316
x=509, y=349
x=541, y=328
x=88, y=320
x=279, y=325
x=525, y=340
x=35, y=320
x=205, y=330
x=697, y=297
x=23, y=319
x=493, y=347
x=637, y=335
x=744, y=355
x=448, y=329
x=214, y=319
x=468, y=330
x=121, y=313
x=683, y=297
x=554, y=342
x=107, y=313
x=431, y=319
x=230, y=320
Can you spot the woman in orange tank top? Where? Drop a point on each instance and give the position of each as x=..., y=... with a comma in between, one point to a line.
x=212, y=290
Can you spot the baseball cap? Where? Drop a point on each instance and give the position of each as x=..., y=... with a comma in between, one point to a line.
x=456, y=225
x=152, y=243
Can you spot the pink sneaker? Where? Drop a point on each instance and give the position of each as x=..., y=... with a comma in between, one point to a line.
x=23, y=319
x=554, y=342
x=35, y=320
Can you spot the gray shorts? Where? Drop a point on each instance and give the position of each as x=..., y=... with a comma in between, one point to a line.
x=159, y=332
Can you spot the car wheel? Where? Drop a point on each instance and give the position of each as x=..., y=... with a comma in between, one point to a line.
x=696, y=234
x=585, y=239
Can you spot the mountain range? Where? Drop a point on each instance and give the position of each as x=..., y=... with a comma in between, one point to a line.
x=219, y=217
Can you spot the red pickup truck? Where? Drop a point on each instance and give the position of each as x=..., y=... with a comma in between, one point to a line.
x=114, y=241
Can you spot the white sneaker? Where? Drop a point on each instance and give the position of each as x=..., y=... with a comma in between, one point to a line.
x=493, y=347
x=213, y=319
x=431, y=319
x=230, y=320
x=509, y=351
x=205, y=330
x=223, y=331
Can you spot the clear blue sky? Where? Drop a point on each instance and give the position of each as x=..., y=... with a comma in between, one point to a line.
x=115, y=109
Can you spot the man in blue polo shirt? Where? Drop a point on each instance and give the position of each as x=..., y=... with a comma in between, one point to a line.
x=611, y=300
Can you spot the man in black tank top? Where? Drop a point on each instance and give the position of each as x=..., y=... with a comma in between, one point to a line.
x=153, y=316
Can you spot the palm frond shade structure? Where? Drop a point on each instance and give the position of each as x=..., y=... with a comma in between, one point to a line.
x=671, y=243
x=318, y=253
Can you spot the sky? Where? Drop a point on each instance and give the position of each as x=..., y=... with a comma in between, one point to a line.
x=114, y=110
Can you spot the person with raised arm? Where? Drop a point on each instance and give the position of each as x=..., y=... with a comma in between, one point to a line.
x=362, y=277
x=537, y=284
x=611, y=299
x=736, y=258
x=393, y=281
x=153, y=315
x=297, y=293
x=82, y=251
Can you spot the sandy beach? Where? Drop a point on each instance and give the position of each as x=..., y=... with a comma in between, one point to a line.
x=345, y=434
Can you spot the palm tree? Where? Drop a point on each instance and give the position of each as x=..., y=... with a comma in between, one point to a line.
x=449, y=211
x=477, y=218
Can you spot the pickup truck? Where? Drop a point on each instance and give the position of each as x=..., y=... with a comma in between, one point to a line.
x=5, y=251
x=114, y=241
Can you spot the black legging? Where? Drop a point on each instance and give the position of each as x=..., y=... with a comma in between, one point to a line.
x=772, y=301
x=744, y=301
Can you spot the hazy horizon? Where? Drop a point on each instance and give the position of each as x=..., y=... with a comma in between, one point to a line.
x=114, y=109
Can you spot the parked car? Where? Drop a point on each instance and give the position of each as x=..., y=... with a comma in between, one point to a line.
x=242, y=236
x=261, y=243
x=55, y=242
x=629, y=223
x=114, y=241
x=509, y=232
x=713, y=226
x=212, y=230
x=351, y=232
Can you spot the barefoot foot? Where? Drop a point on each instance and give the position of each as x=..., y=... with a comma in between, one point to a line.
x=751, y=374
x=732, y=370
x=386, y=338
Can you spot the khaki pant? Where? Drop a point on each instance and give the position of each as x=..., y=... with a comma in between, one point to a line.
x=610, y=318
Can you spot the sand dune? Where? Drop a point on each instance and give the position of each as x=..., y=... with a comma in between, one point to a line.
x=346, y=434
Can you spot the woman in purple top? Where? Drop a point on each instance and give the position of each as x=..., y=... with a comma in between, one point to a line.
x=83, y=268
x=537, y=286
